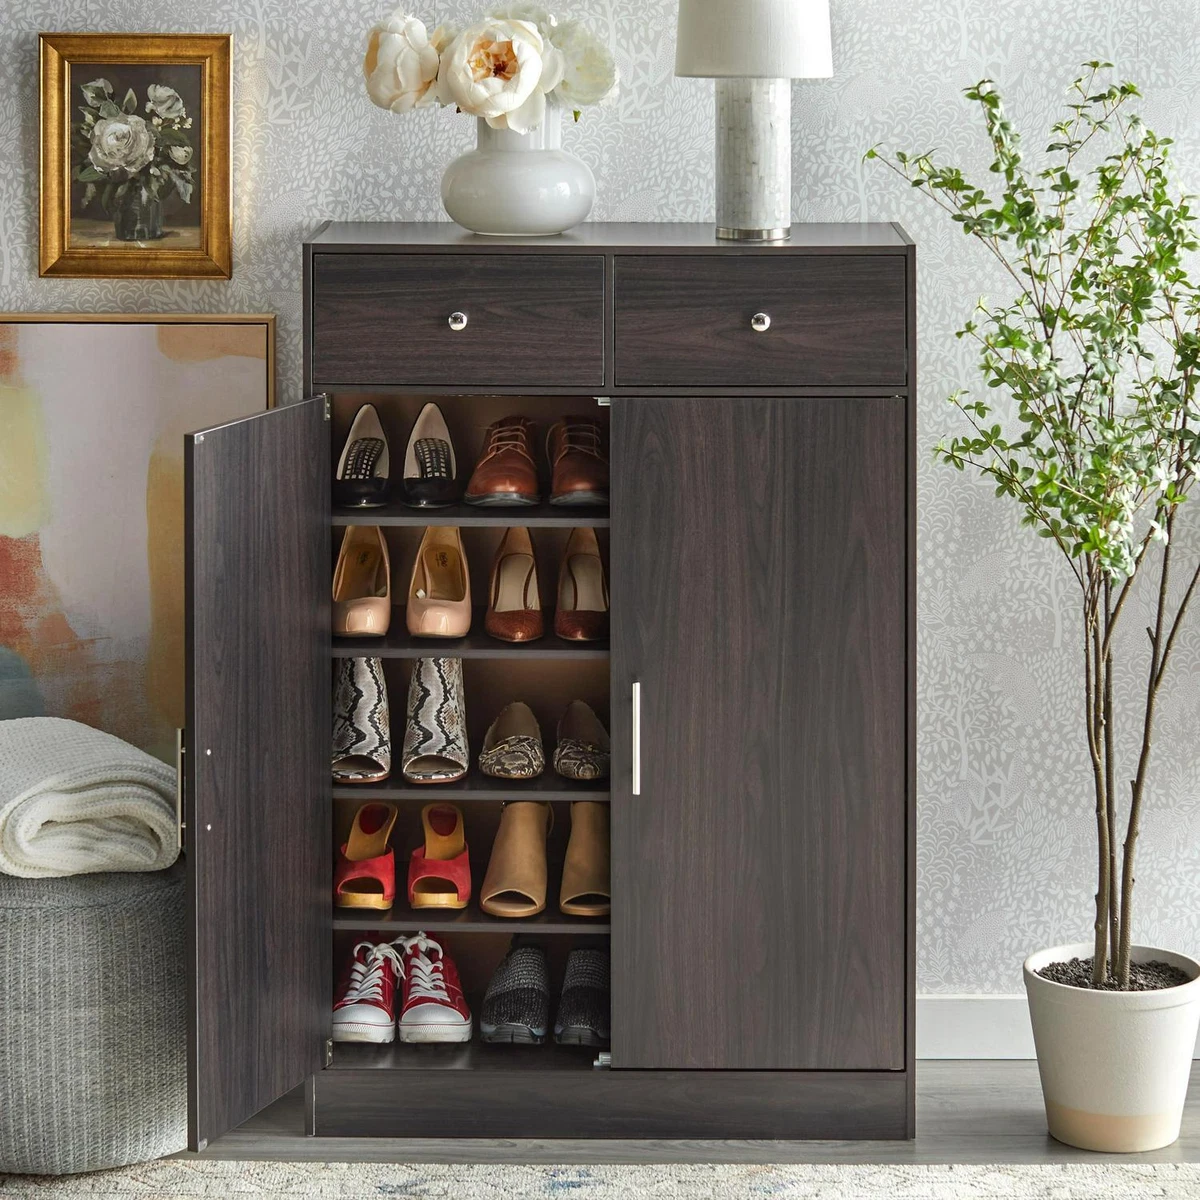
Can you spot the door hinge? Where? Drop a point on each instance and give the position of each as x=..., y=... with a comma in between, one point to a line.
x=603, y=1061
x=604, y=401
x=328, y=1055
x=180, y=824
x=328, y=407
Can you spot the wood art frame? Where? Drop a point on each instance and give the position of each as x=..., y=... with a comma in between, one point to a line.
x=59, y=254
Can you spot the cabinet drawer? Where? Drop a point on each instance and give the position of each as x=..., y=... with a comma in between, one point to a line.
x=685, y=320
x=532, y=320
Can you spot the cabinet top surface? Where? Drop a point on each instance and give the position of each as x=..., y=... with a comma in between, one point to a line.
x=599, y=237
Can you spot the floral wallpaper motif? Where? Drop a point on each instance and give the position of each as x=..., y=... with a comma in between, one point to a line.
x=1004, y=828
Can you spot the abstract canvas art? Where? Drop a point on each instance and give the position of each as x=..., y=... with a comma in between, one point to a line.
x=92, y=416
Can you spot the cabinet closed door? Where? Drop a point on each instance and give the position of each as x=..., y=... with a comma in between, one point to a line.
x=758, y=581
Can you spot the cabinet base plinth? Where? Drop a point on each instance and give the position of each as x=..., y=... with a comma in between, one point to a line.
x=783, y=1105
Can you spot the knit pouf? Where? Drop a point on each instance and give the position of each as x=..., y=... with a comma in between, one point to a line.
x=93, y=1069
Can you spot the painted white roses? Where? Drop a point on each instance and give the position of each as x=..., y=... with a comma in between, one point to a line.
x=125, y=157
x=121, y=143
x=504, y=68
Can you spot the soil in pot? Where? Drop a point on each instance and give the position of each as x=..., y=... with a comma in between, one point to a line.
x=1143, y=977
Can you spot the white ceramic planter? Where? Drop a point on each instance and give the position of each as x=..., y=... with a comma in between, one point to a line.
x=519, y=184
x=1114, y=1065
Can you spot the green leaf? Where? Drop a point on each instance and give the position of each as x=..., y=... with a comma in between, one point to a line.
x=131, y=102
x=181, y=180
x=96, y=92
x=86, y=173
x=108, y=110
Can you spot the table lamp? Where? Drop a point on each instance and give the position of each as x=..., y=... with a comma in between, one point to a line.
x=753, y=48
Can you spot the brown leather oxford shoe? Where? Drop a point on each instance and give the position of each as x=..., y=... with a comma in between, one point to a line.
x=506, y=472
x=578, y=460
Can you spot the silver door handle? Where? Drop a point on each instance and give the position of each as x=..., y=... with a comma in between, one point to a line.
x=636, y=742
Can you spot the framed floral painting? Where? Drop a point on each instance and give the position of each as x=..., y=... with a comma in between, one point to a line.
x=135, y=155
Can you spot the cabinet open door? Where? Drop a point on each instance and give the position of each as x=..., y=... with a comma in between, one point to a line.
x=759, y=824
x=257, y=788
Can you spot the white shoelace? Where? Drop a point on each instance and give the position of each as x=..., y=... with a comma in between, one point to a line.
x=366, y=976
x=425, y=979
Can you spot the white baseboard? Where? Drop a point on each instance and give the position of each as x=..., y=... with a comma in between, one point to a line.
x=974, y=1026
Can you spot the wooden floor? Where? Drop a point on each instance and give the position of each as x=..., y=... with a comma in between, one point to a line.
x=967, y=1112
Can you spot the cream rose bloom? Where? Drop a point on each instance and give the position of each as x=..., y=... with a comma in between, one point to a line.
x=165, y=101
x=501, y=70
x=401, y=63
x=589, y=70
x=122, y=143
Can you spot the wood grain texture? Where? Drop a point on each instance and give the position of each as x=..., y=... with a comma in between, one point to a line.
x=759, y=880
x=475, y=785
x=589, y=1103
x=257, y=569
x=910, y=770
x=383, y=319
x=970, y=1112
x=470, y=516
x=667, y=237
x=684, y=321
x=478, y=643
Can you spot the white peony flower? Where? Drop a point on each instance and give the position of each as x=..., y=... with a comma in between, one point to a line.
x=165, y=101
x=401, y=64
x=180, y=154
x=122, y=143
x=501, y=70
x=534, y=14
x=589, y=72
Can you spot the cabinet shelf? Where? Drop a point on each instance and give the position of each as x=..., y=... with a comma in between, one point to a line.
x=477, y=786
x=469, y=1056
x=399, y=643
x=472, y=919
x=470, y=515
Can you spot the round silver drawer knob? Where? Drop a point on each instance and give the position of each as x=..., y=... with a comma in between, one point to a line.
x=760, y=322
x=458, y=320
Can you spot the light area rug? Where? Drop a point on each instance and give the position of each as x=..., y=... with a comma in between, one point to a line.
x=169, y=1179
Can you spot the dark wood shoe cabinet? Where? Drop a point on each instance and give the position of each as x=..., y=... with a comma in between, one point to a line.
x=759, y=404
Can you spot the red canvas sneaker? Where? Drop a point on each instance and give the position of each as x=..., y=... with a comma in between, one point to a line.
x=365, y=1010
x=433, y=1008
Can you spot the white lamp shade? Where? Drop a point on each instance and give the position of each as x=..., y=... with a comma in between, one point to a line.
x=765, y=39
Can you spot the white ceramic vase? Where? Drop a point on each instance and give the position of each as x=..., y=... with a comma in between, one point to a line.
x=519, y=184
x=1114, y=1065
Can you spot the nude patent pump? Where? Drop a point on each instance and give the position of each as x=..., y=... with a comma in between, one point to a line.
x=439, y=592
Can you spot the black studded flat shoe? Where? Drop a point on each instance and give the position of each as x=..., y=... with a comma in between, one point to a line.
x=582, y=1018
x=363, y=478
x=430, y=468
x=517, y=1003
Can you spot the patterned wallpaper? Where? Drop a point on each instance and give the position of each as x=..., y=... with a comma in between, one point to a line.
x=1004, y=823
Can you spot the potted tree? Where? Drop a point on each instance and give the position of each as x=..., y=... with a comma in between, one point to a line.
x=1090, y=425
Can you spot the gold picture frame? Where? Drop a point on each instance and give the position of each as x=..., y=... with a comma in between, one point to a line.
x=199, y=244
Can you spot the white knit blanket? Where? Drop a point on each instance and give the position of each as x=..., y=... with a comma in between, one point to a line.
x=75, y=800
